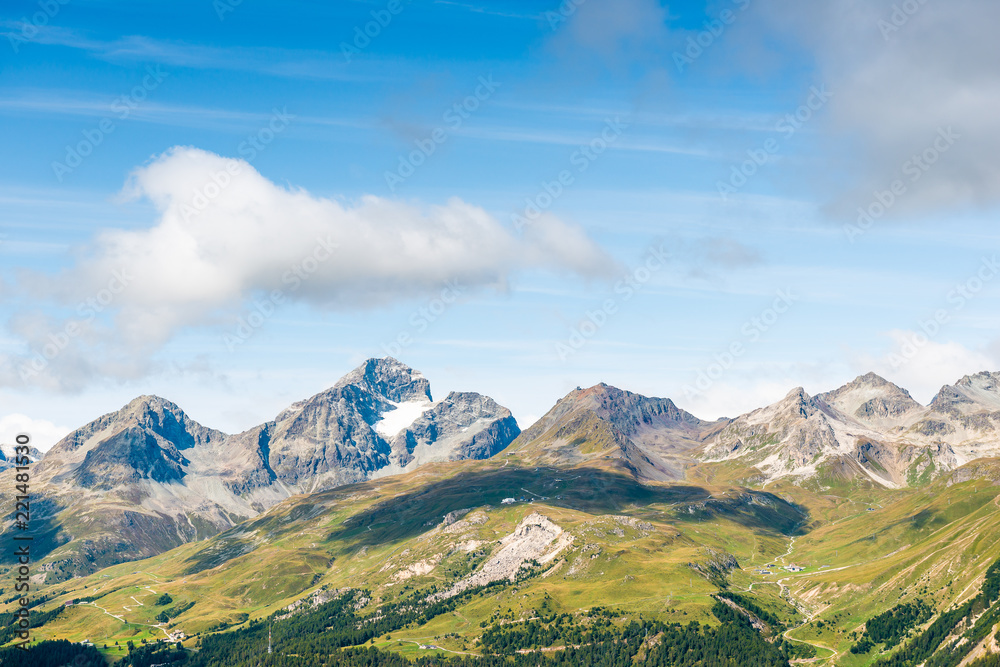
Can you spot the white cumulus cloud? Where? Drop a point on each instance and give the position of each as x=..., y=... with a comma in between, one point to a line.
x=225, y=235
x=43, y=433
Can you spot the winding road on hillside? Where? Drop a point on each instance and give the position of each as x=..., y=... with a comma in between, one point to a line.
x=810, y=614
x=128, y=608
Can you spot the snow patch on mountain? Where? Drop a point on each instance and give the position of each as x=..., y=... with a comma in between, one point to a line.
x=405, y=413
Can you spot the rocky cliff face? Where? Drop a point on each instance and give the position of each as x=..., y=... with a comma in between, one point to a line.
x=381, y=419
x=462, y=426
x=150, y=439
x=147, y=477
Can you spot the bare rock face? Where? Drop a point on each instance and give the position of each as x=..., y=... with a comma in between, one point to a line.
x=381, y=419
x=973, y=395
x=331, y=435
x=787, y=437
x=462, y=426
x=145, y=440
x=716, y=565
x=872, y=400
x=535, y=538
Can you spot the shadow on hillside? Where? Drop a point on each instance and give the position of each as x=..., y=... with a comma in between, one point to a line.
x=44, y=528
x=758, y=510
x=591, y=490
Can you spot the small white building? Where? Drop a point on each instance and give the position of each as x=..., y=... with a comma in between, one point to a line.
x=507, y=501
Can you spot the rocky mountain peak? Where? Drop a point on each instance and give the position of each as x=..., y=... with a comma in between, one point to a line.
x=797, y=403
x=797, y=395
x=984, y=379
x=390, y=379
x=651, y=436
x=973, y=393
x=623, y=407
x=869, y=381
x=871, y=399
x=166, y=419
x=149, y=403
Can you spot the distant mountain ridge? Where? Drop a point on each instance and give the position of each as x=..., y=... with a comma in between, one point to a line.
x=147, y=477
x=8, y=456
x=869, y=427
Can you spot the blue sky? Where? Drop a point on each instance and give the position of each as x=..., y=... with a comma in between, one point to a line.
x=516, y=199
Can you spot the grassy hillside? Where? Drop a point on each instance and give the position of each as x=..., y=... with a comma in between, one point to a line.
x=652, y=551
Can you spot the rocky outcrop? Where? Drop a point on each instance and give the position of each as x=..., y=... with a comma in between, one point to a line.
x=536, y=539
x=716, y=565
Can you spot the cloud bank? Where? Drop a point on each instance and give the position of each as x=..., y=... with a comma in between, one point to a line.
x=901, y=73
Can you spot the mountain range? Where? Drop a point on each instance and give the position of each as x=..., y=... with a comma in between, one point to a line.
x=835, y=527
x=869, y=427
x=147, y=477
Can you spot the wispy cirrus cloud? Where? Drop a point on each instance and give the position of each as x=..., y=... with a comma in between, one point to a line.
x=270, y=61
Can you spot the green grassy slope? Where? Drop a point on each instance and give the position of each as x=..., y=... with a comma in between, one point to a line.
x=656, y=550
